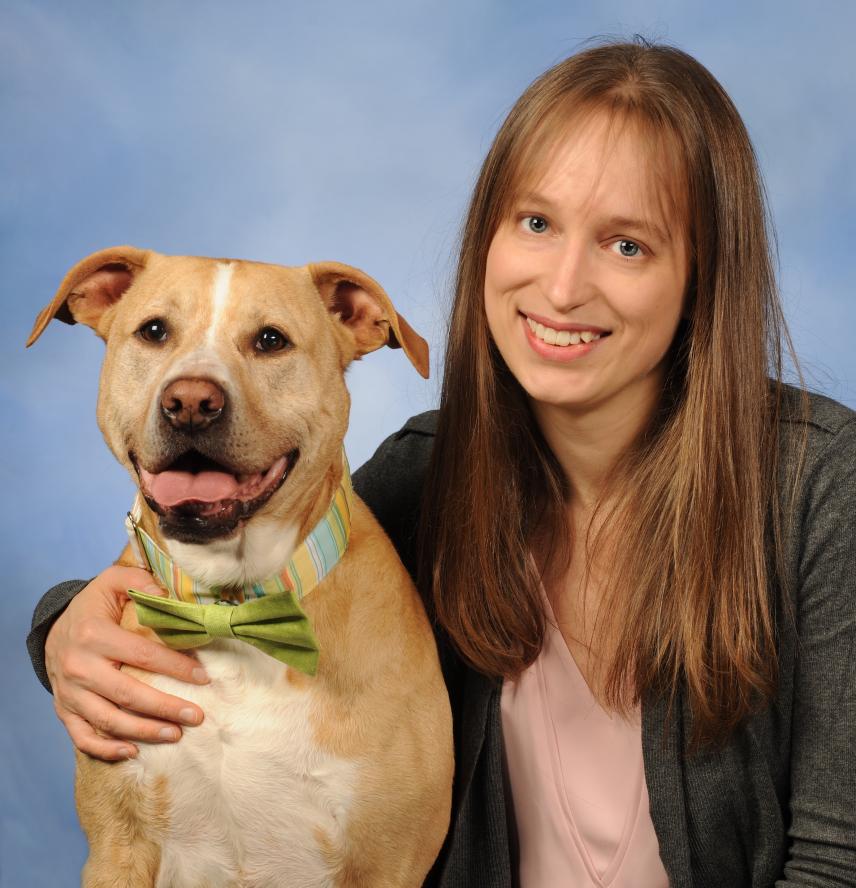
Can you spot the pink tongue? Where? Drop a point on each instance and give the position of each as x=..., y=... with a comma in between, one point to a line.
x=171, y=488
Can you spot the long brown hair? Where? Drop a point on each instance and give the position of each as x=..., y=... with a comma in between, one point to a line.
x=688, y=599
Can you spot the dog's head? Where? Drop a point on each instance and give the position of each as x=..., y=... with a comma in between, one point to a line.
x=222, y=390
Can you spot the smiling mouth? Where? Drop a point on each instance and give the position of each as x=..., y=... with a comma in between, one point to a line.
x=197, y=499
x=564, y=338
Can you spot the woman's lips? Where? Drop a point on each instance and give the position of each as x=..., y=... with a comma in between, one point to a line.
x=556, y=325
x=561, y=353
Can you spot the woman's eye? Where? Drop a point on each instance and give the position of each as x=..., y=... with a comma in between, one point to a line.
x=535, y=224
x=153, y=330
x=627, y=248
x=271, y=340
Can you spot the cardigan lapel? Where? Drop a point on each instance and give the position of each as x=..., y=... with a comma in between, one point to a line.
x=473, y=716
x=476, y=850
x=663, y=756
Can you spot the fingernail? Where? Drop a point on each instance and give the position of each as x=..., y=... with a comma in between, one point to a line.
x=200, y=675
x=153, y=589
x=169, y=734
x=189, y=716
x=127, y=752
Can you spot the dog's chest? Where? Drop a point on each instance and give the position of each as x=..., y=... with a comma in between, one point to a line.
x=250, y=796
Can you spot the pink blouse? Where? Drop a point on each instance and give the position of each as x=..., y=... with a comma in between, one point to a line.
x=577, y=781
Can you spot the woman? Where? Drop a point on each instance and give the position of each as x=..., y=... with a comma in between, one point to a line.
x=635, y=545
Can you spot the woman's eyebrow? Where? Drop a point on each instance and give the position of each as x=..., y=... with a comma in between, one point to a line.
x=537, y=200
x=628, y=223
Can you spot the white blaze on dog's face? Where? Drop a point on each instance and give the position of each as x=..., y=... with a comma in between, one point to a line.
x=222, y=389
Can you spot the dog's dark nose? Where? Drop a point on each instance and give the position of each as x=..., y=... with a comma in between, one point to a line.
x=191, y=405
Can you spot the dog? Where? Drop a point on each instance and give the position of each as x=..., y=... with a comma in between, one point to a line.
x=222, y=393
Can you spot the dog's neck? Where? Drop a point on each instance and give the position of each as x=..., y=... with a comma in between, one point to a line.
x=259, y=550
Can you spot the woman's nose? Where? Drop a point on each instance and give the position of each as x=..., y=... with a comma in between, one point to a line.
x=568, y=278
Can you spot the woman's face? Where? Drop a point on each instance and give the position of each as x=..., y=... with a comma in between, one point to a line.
x=585, y=280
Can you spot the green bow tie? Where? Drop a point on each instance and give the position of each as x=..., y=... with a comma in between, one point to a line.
x=275, y=624
x=270, y=616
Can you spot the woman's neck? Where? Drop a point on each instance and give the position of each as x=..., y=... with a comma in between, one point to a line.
x=588, y=443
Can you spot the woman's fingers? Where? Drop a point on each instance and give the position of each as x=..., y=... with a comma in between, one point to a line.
x=113, y=707
x=107, y=594
x=85, y=738
x=113, y=722
x=89, y=684
x=97, y=635
x=105, y=681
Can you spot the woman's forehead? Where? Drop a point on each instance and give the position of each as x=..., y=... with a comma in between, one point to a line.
x=606, y=163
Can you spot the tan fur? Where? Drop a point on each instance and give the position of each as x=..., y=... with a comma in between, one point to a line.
x=378, y=698
x=126, y=823
x=402, y=714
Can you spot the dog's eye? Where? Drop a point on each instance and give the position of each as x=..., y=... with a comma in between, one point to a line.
x=270, y=340
x=153, y=330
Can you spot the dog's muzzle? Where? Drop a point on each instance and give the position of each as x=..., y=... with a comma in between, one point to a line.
x=198, y=500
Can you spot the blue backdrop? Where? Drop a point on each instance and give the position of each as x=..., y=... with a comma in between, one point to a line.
x=294, y=132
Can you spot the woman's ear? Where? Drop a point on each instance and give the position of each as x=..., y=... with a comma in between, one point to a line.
x=360, y=304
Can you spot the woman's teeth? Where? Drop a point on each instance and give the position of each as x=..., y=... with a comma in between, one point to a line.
x=561, y=337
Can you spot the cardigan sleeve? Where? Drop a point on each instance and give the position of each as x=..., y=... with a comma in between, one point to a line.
x=390, y=483
x=822, y=829
x=49, y=608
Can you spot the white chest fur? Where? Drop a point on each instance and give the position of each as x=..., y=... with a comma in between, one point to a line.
x=249, y=791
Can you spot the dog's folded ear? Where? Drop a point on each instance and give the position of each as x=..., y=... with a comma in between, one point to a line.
x=360, y=303
x=91, y=287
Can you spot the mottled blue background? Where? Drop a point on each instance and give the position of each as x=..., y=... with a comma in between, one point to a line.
x=292, y=132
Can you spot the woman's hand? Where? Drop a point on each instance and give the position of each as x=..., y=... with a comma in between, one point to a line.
x=101, y=707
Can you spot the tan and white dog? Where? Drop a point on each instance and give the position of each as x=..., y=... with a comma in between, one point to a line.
x=222, y=393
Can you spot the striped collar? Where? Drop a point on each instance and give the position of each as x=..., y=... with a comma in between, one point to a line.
x=311, y=561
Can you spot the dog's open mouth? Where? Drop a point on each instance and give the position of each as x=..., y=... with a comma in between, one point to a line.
x=199, y=499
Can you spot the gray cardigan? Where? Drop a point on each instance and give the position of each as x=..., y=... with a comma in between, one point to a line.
x=777, y=805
